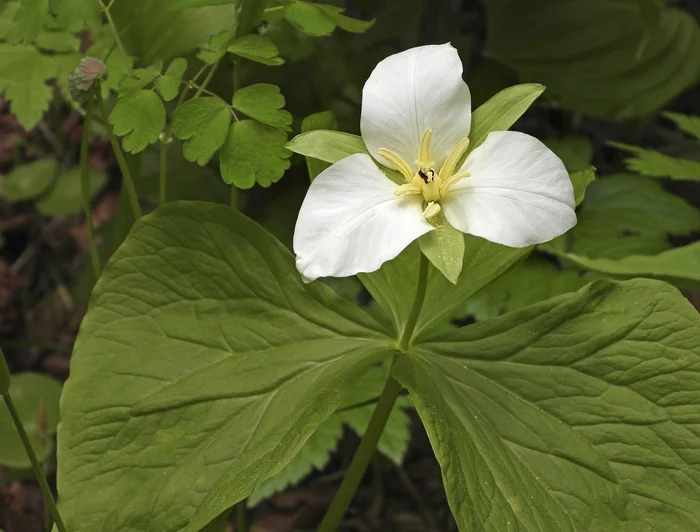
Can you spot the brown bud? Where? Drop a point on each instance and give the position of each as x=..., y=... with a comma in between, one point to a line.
x=85, y=77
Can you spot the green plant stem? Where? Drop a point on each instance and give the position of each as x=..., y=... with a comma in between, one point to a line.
x=206, y=81
x=417, y=304
x=36, y=466
x=121, y=161
x=241, y=517
x=117, y=39
x=85, y=188
x=362, y=457
x=163, y=186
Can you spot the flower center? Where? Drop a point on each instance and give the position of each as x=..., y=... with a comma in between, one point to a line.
x=431, y=184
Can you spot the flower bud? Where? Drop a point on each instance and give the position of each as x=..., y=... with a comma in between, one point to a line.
x=89, y=73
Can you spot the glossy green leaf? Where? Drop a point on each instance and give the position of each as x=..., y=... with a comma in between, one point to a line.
x=253, y=153
x=168, y=85
x=29, y=21
x=689, y=124
x=308, y=18
x=76, y=15
x=264, y=103
x=575, y=414
x=328, y=146
x=202, y=366
x=655, y=164
x=36, y=399
x=576, y=151
x=140, y=77
x=139, y=117
x=28, y=180
x=323, y=120
x=257, y=48
x=65, y=196
x=444, y=247
x=203, y=124
x=586, y=52
x=23, y=75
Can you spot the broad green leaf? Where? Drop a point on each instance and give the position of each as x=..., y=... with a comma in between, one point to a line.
x=140, y=77
x=629, y=215
x=139, y=117
x=65, y=196
x=76, y=15
x=328, y=146
x=576, y=151
x=29, y=21
x=58, y=41
x=168, y=85
x=202, y=366
x=687, y=123
x=215, y=48
x=23, y=75
x=256, y=48
x=655, y=164
x=203, y=124
x=586, y=52
x=323, y=120
x=28, y=180
x=535, y=279
x=335, y=15
x=678, y=266
x=264, y=103
x=308, y=18
x=574, y=414
x=253, y=153
x=444, y=247
x=581, y=181
x=36, y=398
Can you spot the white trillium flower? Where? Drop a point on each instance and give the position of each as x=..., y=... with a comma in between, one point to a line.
x=416, y=118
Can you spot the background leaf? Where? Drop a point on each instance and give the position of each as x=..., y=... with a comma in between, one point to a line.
x=65, y=196
x=655, y=164
x=28, y=180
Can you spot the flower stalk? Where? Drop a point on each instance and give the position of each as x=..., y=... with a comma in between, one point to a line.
x=85, y=188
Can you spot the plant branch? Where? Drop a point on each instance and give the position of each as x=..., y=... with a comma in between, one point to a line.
x=85, y=187
x=206, y=81
x=412, y=320
x=115, y=32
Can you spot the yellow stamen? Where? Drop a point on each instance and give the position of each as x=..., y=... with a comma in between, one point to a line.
x=401, y=165
x=453, y=158
x=451, y=181
x=407, y=190
x=424, y=155
x=431, y=210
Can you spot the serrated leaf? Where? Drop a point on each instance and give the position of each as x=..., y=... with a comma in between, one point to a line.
x=139, y=78
x=76, y=15
x=36, y=399
x=576, y=151
x=65, y=196
x=23, y=75
x=214, y=49
x=139, y=117
x=323, y=120
x=328, y=146
x=26, y=181
x=57, y=41
x=572, y=415
x=238, y=363
x=687, y=123
x=203, y=124
x=586, y=53
x=655, y=164
x=168, y=85
x=264, y=103
x=29, y=21
x=253, y=153
x=256, y=48
x=308, y=18
x=335, y=15
x=444, y=247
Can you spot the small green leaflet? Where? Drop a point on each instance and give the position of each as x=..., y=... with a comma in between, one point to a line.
x=335, y=15
x=687, y=123
x=319, y=20
x=203, y=124
x=139, y=78
x=57, y=41
x=264, y=103
x=65, y=196
x=655, y=164
x=253, y=152
x=139, y=117
x=213, y=50
x=29, y=21
x=581, y=181
x=26, y=181
x=168, y=85
x=256, y=48
x=76, y=15
x=323, y=120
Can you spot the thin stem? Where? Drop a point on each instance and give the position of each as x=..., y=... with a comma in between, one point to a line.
x=234, y=199
x=206, y=81
x=119, y=154
x=241, y=516
x=417, y=304
x=162, y=193
x=117, y=39
x=362, y=458
x=36, y=466
x=85, y=188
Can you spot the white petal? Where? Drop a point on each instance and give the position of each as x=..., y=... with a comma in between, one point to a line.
x=410, y=92
x=518, y=194
x=351, y=221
